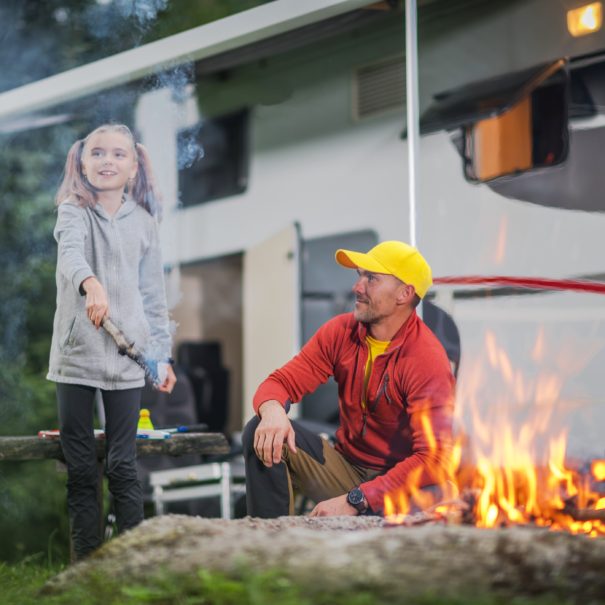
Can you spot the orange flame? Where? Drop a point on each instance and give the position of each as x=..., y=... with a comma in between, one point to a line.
x=517, y=471
x=416, y=495
x=597, y=468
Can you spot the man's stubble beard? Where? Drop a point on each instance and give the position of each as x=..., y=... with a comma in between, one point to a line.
x=366, y=316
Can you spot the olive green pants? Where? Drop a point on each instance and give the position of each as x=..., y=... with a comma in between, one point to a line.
x=316, y=471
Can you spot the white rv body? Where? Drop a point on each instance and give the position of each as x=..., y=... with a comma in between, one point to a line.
x=314, y=162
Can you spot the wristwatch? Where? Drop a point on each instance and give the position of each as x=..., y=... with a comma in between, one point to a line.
x=357, y=500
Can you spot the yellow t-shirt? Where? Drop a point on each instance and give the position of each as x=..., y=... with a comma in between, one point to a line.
x=375, y=348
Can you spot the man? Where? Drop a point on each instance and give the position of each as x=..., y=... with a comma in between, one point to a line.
x=396, y=398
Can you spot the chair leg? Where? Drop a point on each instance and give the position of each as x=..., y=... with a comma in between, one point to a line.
x=225, y=490
x=157, y=500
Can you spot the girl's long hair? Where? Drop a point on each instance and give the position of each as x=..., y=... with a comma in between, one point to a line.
x=75, y=185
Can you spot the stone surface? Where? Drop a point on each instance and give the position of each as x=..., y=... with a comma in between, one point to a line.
x=348, y=553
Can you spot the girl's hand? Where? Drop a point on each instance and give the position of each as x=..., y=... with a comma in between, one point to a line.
x=97, y=305
x=169, y=381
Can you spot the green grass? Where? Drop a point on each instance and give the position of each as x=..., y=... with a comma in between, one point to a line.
x=21, y=584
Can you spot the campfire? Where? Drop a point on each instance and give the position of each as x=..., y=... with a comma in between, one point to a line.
x=510, y=466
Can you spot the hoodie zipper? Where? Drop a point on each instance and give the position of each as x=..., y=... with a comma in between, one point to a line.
x=382, y=391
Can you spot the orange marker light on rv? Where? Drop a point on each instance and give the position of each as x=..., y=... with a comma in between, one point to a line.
x=585, y=19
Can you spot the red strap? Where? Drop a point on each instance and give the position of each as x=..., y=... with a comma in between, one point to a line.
x=535, y=283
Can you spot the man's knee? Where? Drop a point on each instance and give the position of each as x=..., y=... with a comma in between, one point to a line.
x=248, y=435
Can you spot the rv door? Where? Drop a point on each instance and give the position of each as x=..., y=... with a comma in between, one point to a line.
x=271, y=314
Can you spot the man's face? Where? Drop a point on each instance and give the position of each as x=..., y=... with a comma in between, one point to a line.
x=377, y=296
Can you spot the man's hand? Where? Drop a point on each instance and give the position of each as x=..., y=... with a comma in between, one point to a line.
x=272, y=431
x=334, y=507
x=97, y=305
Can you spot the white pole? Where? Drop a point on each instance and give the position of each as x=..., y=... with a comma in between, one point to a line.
x=413, y=127
x=413, y=119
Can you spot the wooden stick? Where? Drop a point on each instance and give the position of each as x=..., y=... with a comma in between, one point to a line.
x=418, y=518
x=586, y=514
x=128, y=348
x=458, y=503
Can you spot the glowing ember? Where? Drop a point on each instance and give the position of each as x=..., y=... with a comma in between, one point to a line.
x=598, y=470
x=513, y=470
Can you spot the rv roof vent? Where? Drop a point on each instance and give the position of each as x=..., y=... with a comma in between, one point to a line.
x=378, y=88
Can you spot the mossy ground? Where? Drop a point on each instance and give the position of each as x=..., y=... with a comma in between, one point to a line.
x=21, y=585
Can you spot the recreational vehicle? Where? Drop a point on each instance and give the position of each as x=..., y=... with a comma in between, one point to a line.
x=309, y=131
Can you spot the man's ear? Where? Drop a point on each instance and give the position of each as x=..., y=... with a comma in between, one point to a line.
x=406, y=294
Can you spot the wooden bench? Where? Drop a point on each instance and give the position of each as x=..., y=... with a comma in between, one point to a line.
x=33, y=448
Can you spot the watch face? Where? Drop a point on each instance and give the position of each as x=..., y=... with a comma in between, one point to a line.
x=355, y=497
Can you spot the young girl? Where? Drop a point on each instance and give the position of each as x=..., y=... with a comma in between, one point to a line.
x=108, y=265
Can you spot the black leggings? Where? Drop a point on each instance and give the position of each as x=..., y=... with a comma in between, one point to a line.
x=76, y=412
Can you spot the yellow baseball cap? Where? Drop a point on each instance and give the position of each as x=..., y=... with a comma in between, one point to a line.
x=393, y=258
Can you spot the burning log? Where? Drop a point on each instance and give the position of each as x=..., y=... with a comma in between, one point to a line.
x=587, y=514
x=463, y=511
x=419, y=518
x=451, y=512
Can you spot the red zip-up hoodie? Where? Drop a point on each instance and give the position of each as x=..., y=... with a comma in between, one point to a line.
x=412, y=379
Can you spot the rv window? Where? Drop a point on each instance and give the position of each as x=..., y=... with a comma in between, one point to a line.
x=510, y=123
x=213, y=159
x=531, y=134
x=486, y=98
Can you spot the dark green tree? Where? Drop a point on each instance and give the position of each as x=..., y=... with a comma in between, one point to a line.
x=32, y=508
x=37, y=40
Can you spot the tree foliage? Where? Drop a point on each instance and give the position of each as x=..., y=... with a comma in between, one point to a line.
x=181, y=15
x=38, y=40
x=30, y=493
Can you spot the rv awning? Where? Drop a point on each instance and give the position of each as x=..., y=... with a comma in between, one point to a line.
x=485, y=99
x=221, y=36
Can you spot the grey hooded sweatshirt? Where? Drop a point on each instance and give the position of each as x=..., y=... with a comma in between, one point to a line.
x=123, y=253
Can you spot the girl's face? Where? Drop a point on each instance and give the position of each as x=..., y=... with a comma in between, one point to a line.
x=108, y=161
